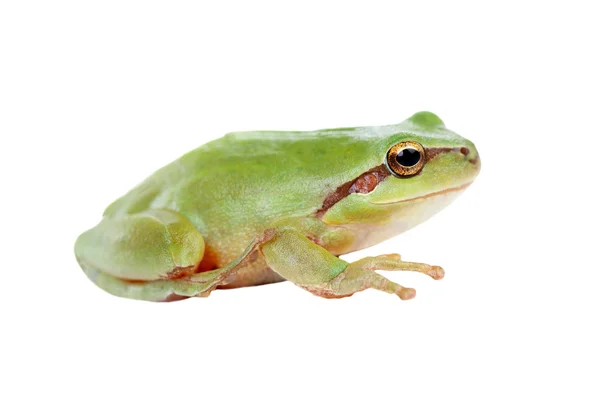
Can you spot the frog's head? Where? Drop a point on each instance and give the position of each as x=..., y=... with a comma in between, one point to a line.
x=419, y=168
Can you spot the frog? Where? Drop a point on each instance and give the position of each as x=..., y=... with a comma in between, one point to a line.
x=260, y=207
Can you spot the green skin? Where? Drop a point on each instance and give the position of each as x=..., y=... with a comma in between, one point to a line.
x=259, y=207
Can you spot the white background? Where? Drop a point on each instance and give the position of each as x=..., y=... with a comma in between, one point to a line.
x=94, y=96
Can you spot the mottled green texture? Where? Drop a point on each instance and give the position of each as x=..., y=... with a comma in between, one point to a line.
x=211, y=203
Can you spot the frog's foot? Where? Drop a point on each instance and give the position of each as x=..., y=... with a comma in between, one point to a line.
x=165, y=290
x=156, y=291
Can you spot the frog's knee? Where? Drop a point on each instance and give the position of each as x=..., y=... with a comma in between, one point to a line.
x=144, y=246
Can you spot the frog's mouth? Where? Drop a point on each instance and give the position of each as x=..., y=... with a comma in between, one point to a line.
x=459, y=188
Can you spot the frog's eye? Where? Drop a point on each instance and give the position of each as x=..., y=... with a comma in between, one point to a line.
x=406, y=159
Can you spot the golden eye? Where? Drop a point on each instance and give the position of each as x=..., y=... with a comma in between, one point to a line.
x=406, y=159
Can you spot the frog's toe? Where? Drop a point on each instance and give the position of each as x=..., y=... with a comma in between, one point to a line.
x=406, y=293
x=437, y=272
x=393, y=256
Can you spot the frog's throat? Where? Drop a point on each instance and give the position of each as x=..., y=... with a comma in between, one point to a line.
x=369, y=180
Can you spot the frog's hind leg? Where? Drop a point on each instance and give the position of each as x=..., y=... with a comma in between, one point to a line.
x=166, y=290
x=123, y=253
x=152, y=255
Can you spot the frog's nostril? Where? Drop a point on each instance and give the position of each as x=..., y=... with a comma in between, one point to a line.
x=465, y=151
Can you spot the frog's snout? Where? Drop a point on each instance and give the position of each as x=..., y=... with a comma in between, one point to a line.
x=472, y=155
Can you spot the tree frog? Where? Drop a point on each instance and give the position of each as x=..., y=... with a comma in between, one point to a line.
x=253, y=208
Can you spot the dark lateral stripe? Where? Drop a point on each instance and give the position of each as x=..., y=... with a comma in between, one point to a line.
x=364, y=184
x=433, y=152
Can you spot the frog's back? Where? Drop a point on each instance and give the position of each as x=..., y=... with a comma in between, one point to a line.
x=232, y=188
x=279, y=171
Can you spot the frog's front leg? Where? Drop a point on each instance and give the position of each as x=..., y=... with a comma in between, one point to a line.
x=312, y=267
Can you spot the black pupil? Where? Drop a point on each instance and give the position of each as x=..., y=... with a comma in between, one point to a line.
x=408, y=157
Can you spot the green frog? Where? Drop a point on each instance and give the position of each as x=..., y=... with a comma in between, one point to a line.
x=252, y=208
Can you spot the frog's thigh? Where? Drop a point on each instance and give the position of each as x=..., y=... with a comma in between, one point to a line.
x=151, y=245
